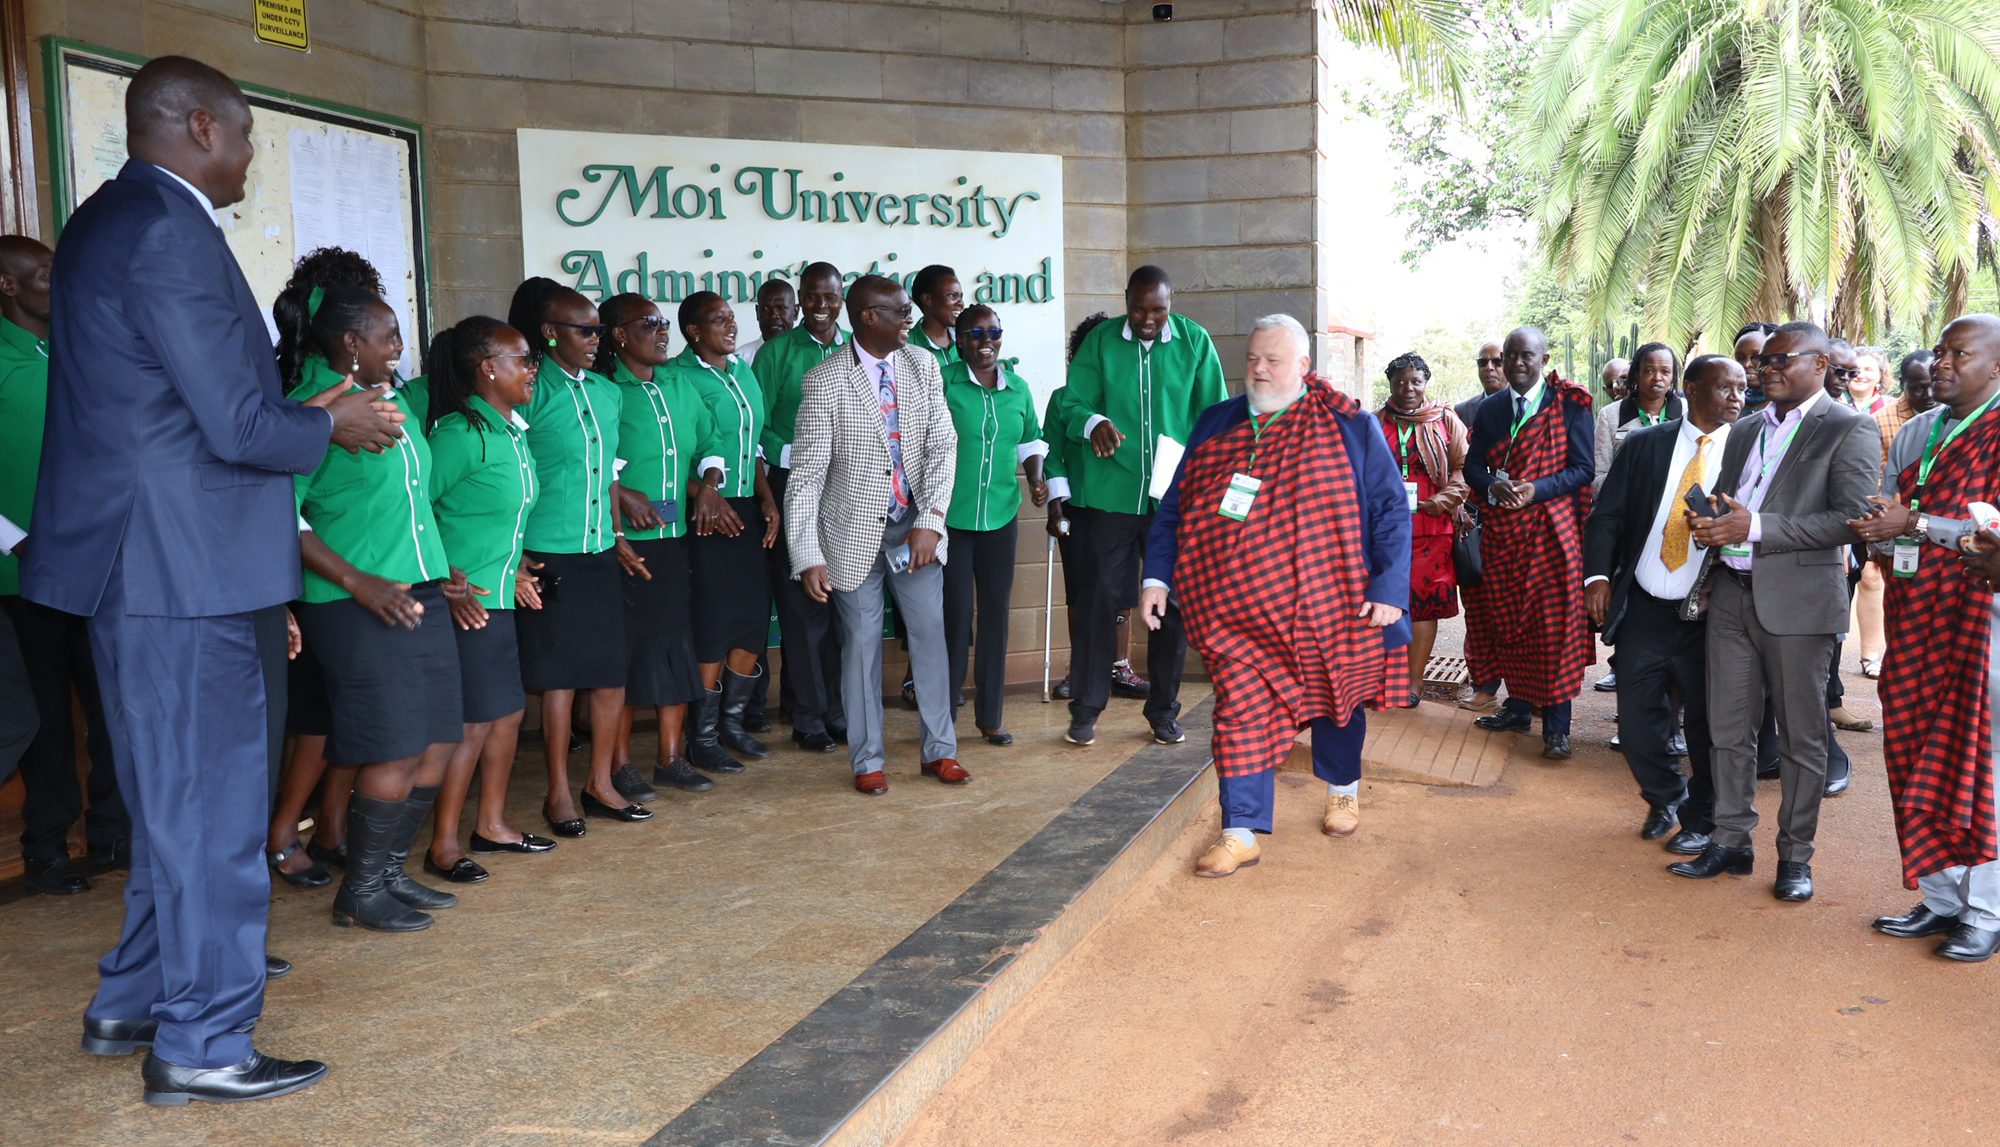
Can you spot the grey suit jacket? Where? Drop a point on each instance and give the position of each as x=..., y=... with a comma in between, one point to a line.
x=836, y=500
x=1800, y=583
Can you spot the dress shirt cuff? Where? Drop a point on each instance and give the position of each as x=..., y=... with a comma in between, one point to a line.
x=305, y=527
x=784, y=457
x=760, y=452
x=10, y=535
x=1090, y=424
x=1152, y=583
x=712, y=462
x=1594, y=578
x=1945, y=532
x=1027, y=450
x=617, y=468
x=1756, y=528
x=1058, y=488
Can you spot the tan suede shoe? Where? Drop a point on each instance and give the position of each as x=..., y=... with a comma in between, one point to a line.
x=1226, y=856
x=1343, y=815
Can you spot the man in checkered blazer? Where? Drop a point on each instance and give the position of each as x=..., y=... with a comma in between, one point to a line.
x=872, y=468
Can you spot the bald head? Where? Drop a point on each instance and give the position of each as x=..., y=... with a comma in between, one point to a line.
x=1966, y=372
x=182, y=115
x=24, y=283
x=1525, y=353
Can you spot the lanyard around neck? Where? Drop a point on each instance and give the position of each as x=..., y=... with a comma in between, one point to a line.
x=1257, y=430
x=1933, y=447
x=1406, y=434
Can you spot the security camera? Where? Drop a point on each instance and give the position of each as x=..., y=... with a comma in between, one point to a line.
x=1163, y=12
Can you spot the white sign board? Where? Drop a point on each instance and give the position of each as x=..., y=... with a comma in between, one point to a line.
x=666, y=216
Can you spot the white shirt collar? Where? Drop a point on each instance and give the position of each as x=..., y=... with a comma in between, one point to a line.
x=1692, y=433
x=206, y=205
x=1166, y=330
x=837, y=340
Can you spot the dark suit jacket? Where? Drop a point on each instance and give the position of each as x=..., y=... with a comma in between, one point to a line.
x=1834, y=464
x=169, y=447
x=1621, y=516
x=1494, y=420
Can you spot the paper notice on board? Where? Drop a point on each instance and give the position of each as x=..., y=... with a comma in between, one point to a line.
x=311, y=220
x=1166, y=463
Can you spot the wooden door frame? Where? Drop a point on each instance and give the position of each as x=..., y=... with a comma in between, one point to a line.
x=19, y=213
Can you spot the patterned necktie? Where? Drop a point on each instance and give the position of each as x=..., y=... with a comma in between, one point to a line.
x=899, y=489
x=1520, y=407
x=1674, y=541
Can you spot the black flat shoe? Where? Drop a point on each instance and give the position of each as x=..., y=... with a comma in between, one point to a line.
x=997, y=736
x=564, y=827
x=1688, y=843
x=58, y=877
x=631, y=812
x=117, y=858
x=1794, y=883
x=1915, y=924
x=1839, y=776
x=1659, y=822
x=815, y=742
x=631, y=785
x=464, y=870
x=314, y=877
x=274, y=968
x=1969, y=944
x=117, y=1037
x=681, y=775
x=1555, y=747
x=529, y=842
x=258, y=1077
x=330, y=857
x=1506, y=720
x=1715, y=860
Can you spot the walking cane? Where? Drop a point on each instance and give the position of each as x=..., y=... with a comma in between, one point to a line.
x=1048, y=617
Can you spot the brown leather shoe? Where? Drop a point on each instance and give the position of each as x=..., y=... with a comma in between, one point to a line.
x=1343, y=815
x=874, y=784
x=1225, y=856
x=948, y=771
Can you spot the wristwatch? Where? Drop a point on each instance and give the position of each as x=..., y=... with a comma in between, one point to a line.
x=1920, y=527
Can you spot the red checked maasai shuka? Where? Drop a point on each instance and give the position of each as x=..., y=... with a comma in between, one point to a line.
x=1525, y=622
x=1272, y=602
x=1936, y=716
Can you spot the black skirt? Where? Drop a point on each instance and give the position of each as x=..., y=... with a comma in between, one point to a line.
x=657, y=634
x=732, y=590
x=577, y=639
x=393, y=691
x=489, y=669
x=306, y=712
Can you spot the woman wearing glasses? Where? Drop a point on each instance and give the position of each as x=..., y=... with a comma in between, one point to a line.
x=373, y=610
x=735, y=522
x=663, y=435
x=482, y=489
x=994, y=414
x=574, y=547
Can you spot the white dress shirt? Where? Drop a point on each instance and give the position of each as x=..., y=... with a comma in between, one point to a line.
x=1652, y=573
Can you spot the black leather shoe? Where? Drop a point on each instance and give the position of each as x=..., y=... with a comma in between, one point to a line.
x=276, y=969
x=814, y=742
x=1660, y=820
x=837, y=732
x=117, y=1037
x=563, y=827
x=314, y=877
x=1915, y=924
x=258, y=1077
x=117, y=858
x=1688, y=843
x=997, y=736
x=631, y=812
x=58, y=877
x=755, y=721
x=1607, y=683
x=529, y=842
x=1555, y=746
x=682, y=776
x=464, y=870
x=1970, y=944
x=1504, y=720
x=330, y=857
x=1794, y=881
x=1838, y=775
x=1167, y=731
x=1715, y=860
x=631, y=785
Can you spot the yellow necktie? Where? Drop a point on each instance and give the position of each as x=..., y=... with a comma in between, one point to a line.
x=1674, y=544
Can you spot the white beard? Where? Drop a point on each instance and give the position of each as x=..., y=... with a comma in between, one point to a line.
x=1263, y=405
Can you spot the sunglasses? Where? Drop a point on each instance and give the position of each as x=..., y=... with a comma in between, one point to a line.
x=1846, y=372
x=650, y=324
x=902, y=312
x=523, y=357
x=587, y=330
x=1779, y=361
x=1490, y=361
x=990, y=333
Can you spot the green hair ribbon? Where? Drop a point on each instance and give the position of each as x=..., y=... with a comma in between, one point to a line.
x=313, y=301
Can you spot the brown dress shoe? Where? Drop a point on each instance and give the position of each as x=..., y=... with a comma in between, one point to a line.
x=1227, y=855
x=1343, y=815
x=874, y=784
x=948, y=771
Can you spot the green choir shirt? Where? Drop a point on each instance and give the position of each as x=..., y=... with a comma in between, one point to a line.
x=1145, y=392
x=945, y=355
x=482, y=487
x=997, y=430
x=374, y=510
x=1055, y=432
x=24, y=398
x=781, y=363
x=573, y=431
x=664, y=436
x=736, y=402
x=417, y=396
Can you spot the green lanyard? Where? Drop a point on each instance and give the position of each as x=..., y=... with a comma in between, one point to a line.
x=1933, y=448
x=1648, y=420
x=1406, y=433
x=1257, y=433
x=1767, y=463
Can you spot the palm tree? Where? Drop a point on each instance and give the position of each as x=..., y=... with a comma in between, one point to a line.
x=1737, y=159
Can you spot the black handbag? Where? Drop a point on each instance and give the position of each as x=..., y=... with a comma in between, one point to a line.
x=1465, y=560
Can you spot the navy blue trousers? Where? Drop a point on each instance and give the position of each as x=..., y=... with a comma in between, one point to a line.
x=1247, y=801
x=184, y=702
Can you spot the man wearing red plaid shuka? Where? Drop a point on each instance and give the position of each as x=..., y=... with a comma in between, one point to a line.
x=1285, y=541
x=1940, y=679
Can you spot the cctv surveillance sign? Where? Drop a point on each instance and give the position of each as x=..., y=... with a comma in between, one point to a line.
x=667, y=216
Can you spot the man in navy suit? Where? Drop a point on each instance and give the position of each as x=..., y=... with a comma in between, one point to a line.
x=164, y=514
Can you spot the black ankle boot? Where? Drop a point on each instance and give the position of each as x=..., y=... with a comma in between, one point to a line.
x=704, y=735
x=363, y=898
x=736, y=692
x=394, y=877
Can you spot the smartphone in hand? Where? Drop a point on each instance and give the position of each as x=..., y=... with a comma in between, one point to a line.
x=1697, y=500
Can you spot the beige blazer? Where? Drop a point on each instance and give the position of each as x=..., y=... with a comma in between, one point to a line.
x=837, y=498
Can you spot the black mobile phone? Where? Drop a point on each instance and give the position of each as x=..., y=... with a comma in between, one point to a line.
x=1697, y=501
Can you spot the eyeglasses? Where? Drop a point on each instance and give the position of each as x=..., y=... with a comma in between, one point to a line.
x=1490, y=361
x=1846, y=372
x=990, y=333
x=902, y=312
x=650, y=323
x=1778, y=361
x=523, y=357
x=587, y=330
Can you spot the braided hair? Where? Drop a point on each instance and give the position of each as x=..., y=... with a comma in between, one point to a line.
x=323, y=267
x=615, y=311
x=453, y=367
x=1406, y=361
x=1083, y=328
x=342, y=311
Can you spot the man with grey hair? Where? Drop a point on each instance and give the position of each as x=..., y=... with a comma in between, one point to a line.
x=1285, y=539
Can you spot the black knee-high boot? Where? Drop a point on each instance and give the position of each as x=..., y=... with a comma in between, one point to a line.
x=394, y=877
x=364, y=897
x=705, y=735
x=736, y=693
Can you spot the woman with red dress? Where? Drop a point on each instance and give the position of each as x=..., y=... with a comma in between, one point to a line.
x=1429, y=444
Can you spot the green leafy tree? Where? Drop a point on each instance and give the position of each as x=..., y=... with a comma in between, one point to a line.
x=1737, y=159
x=1428, y=39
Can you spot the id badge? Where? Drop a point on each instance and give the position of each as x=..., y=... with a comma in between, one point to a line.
x=1736, y=551
x=1500, y=476
x=1410, y=495
x=1904, y=563
x=668, y=512
x=1241, y=493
